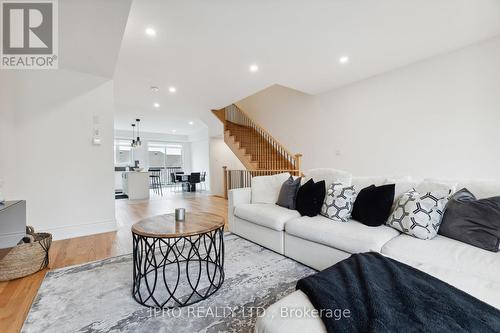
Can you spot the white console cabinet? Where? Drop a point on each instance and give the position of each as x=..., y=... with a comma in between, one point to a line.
x=12, y=223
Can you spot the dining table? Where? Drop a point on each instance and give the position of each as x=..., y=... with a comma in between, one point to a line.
x=186, y=182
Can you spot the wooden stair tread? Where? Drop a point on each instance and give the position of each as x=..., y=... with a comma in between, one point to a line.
x=255, y=148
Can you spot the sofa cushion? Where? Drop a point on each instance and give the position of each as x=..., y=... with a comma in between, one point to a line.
x=360, y=183
x=402, y=185
x=351, y=236
x=482, y=188
x=432, y=185
x=267, y=215
x=329, y=175
x=266, y=189
x=447, y=253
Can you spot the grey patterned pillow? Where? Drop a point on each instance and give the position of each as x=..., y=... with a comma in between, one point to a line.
x=338, y=202
x=419, y=215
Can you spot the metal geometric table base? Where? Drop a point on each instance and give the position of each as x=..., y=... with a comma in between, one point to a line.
x=176, y=272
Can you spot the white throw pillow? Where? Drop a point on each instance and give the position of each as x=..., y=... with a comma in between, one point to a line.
x=419, y=215
x=338, y=202
x=266, y=189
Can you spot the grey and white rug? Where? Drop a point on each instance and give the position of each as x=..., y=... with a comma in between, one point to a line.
x=96, y=297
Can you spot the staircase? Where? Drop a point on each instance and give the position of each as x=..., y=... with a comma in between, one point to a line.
x=258, y=151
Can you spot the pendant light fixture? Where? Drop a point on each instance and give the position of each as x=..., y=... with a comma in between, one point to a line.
x=133, y=144
x=138, y=141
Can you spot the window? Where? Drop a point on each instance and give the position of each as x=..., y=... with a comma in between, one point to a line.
x=123, y=153
x=165, y=155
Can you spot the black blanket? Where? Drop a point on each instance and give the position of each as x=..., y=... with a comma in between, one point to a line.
x=384, y=295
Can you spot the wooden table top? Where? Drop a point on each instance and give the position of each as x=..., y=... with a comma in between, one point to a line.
x=164, y=226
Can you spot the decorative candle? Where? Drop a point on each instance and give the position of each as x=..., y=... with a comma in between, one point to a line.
x=180, y=214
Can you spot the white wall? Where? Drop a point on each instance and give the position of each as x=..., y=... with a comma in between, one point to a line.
x=46, y=153
x=200, y=161
x=436, y=118
x=221, y=155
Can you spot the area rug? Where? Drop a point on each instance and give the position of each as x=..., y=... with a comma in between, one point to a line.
x=96, y=297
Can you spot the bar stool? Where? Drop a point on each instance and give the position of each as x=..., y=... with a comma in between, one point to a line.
x=155, y=180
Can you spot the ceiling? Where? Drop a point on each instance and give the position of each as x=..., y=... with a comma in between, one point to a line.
x=204, y=49
x=90, y=34
x=90, y=37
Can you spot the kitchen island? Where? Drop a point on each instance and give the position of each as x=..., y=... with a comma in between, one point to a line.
x=136, y=184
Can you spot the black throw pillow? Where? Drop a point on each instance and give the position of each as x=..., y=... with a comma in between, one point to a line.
x=373, y=205
x=288, y=193
x=472, y=221
x=310, y=197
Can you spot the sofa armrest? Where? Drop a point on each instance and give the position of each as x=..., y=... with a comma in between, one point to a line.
x=237, y=197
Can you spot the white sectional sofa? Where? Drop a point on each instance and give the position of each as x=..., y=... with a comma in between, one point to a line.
x=319, y=242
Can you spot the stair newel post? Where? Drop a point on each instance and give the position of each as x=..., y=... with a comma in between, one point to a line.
x=224, y=169
x=297, y=163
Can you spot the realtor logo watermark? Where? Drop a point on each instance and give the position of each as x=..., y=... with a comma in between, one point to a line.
x=29, y=33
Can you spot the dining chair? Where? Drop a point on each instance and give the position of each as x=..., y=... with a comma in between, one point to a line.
x=194, y=179
x=203, y=180
x=174, y=181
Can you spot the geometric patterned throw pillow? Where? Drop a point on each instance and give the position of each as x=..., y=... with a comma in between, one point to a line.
x=338, y=202
x=419, y=215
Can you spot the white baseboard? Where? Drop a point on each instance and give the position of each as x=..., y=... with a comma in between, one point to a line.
x=71, y=231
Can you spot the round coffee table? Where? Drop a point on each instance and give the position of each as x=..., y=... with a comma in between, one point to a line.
x=177, y=263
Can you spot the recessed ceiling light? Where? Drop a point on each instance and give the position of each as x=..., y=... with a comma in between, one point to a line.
x=172, y=89
x=155, y=89
x=156, y=105
x=173, y=131
x=151, y=32
x=344, y=60
x=191, y=123
x=253, y=68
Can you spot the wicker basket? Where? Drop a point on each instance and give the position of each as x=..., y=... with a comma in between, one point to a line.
x=26, y=258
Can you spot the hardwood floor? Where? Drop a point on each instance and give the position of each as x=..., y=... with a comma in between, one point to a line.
x=16, y=296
